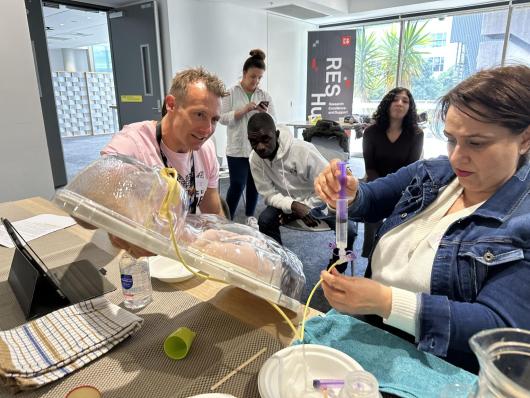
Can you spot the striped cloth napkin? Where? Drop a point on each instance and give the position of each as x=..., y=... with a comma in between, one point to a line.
x=57, y=344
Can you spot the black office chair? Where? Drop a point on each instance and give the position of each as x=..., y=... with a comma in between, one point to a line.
x=329, y=138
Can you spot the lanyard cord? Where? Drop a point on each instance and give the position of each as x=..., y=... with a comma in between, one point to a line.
x=192, y=191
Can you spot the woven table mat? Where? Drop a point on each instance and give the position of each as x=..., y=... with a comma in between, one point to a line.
x=138, y=367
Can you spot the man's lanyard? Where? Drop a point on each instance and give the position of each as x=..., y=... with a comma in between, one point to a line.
x=192, y=192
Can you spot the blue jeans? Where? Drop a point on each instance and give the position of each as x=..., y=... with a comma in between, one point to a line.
x=240, y=176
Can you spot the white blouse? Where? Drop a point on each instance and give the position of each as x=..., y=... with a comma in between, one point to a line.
x=404, y=256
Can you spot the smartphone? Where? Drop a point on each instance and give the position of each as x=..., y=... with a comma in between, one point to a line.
x=264, y=104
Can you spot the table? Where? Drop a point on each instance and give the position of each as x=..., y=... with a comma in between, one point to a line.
x=249, y=309
x=237, y=302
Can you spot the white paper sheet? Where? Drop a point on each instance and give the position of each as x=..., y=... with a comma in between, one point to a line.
x=35, y=227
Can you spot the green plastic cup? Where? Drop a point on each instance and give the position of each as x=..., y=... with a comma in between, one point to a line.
x=178, y=343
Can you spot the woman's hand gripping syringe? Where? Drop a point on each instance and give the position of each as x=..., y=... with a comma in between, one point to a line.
x=328, y=185
x=338, y=189
x=351, y=295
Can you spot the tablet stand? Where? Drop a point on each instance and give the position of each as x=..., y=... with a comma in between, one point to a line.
x=35, y=293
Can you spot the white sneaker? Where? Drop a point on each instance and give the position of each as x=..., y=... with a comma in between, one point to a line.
x=299, y=225
x=252, y=222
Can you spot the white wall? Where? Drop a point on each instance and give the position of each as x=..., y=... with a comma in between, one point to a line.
x=359, y=6
x=25, y=168
x=287, y=66
x=75, y=60
x=216, y=36
x=56, y=59
x=69, y=59
x=220, y=36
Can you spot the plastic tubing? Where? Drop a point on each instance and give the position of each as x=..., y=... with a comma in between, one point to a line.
x=297, y=333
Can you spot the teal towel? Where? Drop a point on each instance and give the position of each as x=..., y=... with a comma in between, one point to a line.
x=400, y=368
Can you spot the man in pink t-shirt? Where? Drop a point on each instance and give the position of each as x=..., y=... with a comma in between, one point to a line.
x=180, y=140
x=139, y=140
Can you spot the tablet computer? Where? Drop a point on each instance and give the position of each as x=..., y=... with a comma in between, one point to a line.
x=72, y=283
x=29, y=254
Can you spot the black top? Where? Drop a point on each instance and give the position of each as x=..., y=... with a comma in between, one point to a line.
x=382, y=157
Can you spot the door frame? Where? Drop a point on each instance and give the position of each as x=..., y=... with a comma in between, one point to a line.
x=41, y=58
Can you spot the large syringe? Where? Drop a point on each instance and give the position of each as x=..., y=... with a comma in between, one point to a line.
x=341, y=227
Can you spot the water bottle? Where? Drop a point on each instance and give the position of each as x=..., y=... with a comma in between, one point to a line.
x=135, y=281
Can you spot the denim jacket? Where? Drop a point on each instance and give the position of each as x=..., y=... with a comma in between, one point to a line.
x=481, y=271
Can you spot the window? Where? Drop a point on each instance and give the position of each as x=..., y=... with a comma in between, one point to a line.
x=435, y=54
x=518, y=51
x=438, y=39
x=437, y=64
x=101, y=57
x=376, y=57
x=470, y=45
x=467, y=47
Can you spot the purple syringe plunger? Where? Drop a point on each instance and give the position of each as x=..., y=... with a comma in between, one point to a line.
x=342, y=179
x=327, y=383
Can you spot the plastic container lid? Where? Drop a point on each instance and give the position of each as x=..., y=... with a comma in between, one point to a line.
x=124, y=197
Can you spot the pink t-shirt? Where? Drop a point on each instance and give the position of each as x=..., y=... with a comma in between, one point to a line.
x=138, y=140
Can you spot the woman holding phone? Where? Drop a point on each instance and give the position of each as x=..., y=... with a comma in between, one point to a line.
x=244, y=99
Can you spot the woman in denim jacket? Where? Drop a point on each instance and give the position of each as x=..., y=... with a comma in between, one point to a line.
x=453, y=256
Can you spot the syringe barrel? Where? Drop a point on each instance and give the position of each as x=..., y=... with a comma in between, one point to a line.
x=341, y=225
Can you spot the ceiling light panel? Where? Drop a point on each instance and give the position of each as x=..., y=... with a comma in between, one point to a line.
x=295, y=11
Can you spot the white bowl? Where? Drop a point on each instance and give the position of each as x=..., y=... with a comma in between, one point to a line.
x=286, y=367
x=168, y=270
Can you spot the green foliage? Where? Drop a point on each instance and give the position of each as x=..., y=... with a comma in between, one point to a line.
x=366, y=65
x=412, y=60
x=389, y=57
x=428, y=87
x=376, y=63
x=448, y=79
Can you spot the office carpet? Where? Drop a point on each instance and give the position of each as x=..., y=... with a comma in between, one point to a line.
x=79, y=152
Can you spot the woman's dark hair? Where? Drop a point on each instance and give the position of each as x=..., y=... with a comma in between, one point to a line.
x=256, y=60
x=382, y=117
x=499, y=96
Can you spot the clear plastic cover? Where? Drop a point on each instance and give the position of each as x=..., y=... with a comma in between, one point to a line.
x=127, y=198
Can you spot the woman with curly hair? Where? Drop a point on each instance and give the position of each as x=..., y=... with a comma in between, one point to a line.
x=392, y=142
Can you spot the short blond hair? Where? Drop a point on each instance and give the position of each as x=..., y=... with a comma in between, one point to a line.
x=181, y=81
